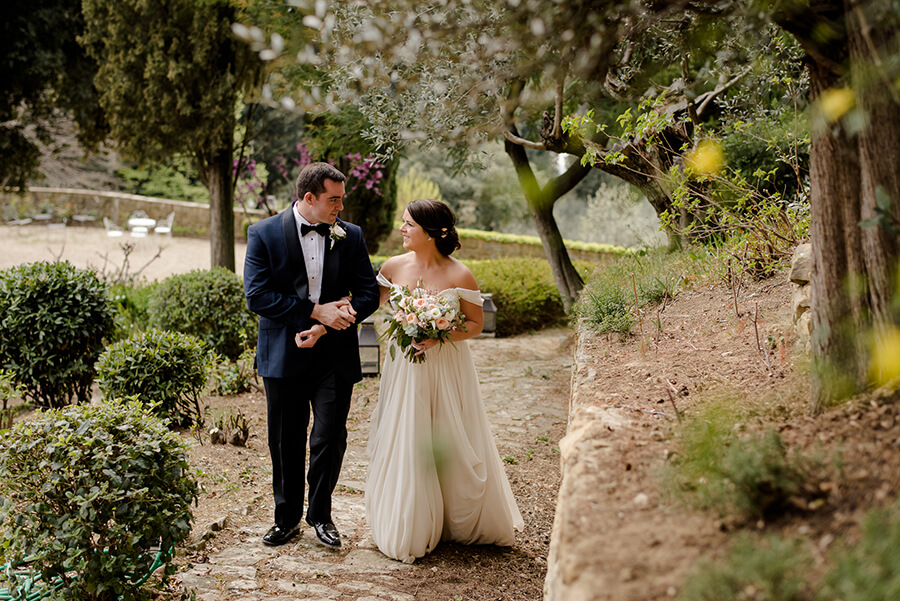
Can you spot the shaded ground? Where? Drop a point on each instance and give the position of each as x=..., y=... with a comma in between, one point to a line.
x=525, y=385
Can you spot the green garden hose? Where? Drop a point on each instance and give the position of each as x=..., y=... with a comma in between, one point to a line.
x=35, y=589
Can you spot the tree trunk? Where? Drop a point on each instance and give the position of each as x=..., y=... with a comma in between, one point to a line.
x=872, y=36
x=568, y=282
x=837, y=316
x=540, y=206
x=854, y=268
x=215, y=172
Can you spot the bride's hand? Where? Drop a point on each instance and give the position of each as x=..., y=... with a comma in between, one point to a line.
x=424, y=345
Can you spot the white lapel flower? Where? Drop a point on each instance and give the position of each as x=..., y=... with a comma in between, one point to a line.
x=337, y=233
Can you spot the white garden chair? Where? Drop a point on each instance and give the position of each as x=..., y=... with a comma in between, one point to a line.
x=164, y=226
x=11, y=217
x=112, y=230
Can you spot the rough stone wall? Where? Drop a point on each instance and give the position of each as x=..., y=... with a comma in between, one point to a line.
x=801, y=273
x=191, y=218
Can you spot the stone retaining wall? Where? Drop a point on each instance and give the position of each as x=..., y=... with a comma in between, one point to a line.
x=191, y=218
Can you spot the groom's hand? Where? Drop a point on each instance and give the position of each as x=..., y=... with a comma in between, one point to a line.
x=308, y=338
x=338, y=315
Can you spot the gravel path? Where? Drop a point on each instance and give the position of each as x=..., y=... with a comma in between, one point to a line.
x=91, y=247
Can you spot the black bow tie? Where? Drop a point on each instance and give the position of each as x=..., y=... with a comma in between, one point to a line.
x=320, y=228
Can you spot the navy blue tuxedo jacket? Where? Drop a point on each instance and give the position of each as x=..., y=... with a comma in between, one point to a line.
x=277, y=289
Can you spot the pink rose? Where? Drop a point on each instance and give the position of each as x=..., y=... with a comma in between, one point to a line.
x=443, y=324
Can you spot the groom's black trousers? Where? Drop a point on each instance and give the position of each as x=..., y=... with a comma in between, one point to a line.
x=288, y=403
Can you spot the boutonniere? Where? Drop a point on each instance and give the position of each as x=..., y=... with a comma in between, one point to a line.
x=337, y=233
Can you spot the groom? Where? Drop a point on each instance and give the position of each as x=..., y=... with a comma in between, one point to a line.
x=308, y=275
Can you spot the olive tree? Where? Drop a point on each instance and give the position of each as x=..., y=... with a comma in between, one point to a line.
x=462, y=70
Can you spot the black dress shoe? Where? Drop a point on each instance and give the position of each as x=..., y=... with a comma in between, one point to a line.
x=278, y=535
x=326, y=533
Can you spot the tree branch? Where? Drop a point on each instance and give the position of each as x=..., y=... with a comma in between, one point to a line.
x=719, y=89
x=511, y=137
x=560, y=93
x=564, y=182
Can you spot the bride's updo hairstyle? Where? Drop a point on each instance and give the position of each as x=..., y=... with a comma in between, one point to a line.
x=438, y=221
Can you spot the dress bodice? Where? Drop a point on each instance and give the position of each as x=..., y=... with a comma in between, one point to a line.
x=453, y=294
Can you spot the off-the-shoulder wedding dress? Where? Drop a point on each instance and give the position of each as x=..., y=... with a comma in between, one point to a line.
x=434, y=470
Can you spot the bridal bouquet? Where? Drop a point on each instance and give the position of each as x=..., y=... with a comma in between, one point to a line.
x=418, y=315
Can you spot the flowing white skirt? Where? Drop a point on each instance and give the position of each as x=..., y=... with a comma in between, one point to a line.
x=434, y=470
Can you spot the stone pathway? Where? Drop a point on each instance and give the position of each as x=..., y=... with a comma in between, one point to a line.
x=520, y=380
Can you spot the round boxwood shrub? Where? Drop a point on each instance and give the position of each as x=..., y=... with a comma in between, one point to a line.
x=166, y=369
x=54, y=318
x=88, y=494
x=208, y=304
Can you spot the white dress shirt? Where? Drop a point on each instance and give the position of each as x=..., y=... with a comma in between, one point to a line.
x=313, y=246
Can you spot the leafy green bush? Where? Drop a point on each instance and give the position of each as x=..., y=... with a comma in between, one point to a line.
x=757, y=231
x=53, y=322
x=166, y=369
x=523, y=290
x=87, y=492
x=132, y=305
x=742, y=477
x=770, y=570
x=178, y=180
x=764, y=476
x=606, y=307
x=869, y=571
x=208, y=304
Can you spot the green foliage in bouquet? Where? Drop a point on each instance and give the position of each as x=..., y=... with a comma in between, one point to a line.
x=88, y=495
x=208, y=304
x=54, y=319
x=166, y=369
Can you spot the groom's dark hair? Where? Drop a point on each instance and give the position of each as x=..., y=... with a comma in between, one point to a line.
x=312, y=178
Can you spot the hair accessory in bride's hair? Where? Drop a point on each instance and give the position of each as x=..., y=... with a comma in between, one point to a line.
x=444, y=235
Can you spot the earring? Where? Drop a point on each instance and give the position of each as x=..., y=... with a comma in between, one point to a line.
x=429, y=237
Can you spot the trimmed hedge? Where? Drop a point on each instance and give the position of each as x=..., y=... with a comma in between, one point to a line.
x=86, y=494
x=524, y=291
x=208, y=304
x=54, y=320
x=166, y=369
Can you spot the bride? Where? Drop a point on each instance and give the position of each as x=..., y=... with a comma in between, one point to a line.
x=434, y=470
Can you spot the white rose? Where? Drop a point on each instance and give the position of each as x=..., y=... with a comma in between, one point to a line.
x=337, y=232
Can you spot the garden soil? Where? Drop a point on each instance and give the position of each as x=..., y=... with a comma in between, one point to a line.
x=708, y=342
